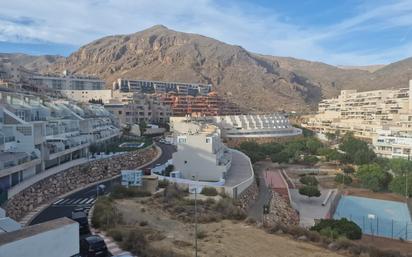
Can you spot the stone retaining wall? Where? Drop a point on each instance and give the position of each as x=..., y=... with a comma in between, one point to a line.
x=77, y=177
x=280, y=212
x=248, y=196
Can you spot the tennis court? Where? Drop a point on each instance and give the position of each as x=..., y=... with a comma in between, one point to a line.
x=377, y=217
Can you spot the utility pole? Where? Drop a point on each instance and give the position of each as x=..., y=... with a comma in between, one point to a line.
x=195, y=221
x=406, y=178
x=194, y=178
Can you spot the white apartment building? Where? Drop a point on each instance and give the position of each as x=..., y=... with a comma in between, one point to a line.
x=364, y=113
x=151, y=86
x=200, y=153
x=42, y=136
x=393, y=145
x=255, y=126
x=134, y=108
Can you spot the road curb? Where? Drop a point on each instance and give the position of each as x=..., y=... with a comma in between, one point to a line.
x=46, y=205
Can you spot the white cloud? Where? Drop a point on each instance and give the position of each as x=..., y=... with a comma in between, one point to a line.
x=257, y=29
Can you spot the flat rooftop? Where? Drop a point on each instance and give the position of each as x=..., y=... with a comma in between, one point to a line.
x=25, y=232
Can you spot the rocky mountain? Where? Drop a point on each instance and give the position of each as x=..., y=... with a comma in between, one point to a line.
x=254, y=81
x=30, y=62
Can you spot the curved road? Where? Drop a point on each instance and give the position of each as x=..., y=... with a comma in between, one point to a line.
x=85, y=198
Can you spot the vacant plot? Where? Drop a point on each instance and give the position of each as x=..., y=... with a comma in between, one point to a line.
x=219, y=239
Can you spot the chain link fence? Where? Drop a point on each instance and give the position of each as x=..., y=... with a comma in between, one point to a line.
x=377, y=226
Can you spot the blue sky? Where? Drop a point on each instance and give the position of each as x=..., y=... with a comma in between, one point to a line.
x=344, y=32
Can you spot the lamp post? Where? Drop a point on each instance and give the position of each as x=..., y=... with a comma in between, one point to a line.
x=195, y=217
x=406, y=177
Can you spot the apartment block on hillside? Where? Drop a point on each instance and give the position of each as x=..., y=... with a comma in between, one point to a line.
x=38, y=135
x=151, y=86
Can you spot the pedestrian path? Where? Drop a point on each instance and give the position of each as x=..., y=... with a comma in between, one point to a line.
x=74, y=201
x=26, y=219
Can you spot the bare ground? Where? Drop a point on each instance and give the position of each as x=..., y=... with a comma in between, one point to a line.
x=375, y=195
x=222, y=239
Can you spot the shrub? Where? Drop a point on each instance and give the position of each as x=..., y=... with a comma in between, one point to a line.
x=209, y=191
x=310, y=159
x=309, y=191
x=116, y=234
x=169, y=169
x=342, y=227
x=229, y=210
x=163, y=183
x=201, y=234
x=124, y=192
x=343, y=179
x=143, y=223
x=309, y=180
x=105, y=214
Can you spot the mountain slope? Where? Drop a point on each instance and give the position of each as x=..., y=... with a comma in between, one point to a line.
x=31, y=62
x=254, y=82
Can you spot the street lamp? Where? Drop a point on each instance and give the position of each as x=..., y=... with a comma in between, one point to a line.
x=195, y=217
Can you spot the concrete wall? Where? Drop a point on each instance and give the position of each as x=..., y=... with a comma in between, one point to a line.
x=59, y=242
x=86, y=95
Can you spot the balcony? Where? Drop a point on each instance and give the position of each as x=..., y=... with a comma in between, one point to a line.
x=13, y=162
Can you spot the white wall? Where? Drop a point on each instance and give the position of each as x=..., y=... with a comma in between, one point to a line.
x=86, y=95
x=61, y=242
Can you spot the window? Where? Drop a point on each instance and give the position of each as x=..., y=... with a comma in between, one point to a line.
x=208, y=140
x=182, y=140
x=185, y=162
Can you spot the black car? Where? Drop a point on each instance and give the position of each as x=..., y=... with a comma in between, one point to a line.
x=81, y=218
x=93, y=246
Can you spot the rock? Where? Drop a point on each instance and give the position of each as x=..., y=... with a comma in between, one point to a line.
x=333, y=247
x=302, y=238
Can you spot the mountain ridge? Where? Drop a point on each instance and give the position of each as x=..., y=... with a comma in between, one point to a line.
x=256, y=82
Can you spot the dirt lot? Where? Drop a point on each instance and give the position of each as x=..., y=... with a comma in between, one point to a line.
x=386, y=244
x=220, y=239
x=375, y=195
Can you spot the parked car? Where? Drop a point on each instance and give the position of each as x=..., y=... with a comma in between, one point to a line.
x=93, y=246
x=81, y=218
x=101, y=189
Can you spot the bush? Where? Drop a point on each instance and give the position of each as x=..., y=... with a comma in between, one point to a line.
x=168, y=170
x=143, y=223
x=342, y=227
x=105, y=214
x=310, y=159
x=309, y=191
x=163, y=183
x=116, y=234
x=209, y=191
x=124, y=192
x=309, y=180
x=343, y=179
x=201, y=234
x=229, y=210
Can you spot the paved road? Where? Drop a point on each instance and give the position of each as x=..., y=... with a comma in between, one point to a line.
x=63, y=207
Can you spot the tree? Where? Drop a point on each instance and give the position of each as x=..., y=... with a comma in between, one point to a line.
x=400, y=166
x=142, y=127
x=330, y=136
x=271, y=148
x=309, y=191
x=282, y=157
x=343, y=179
x=309, y=180
x=310, y=159
x=364, y=156
x=398, y=185
x=93, y=149
x=348, y=170
x=313, y=145
x=373, y=177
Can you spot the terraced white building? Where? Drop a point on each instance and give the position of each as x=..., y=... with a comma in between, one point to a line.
x=41, y=136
